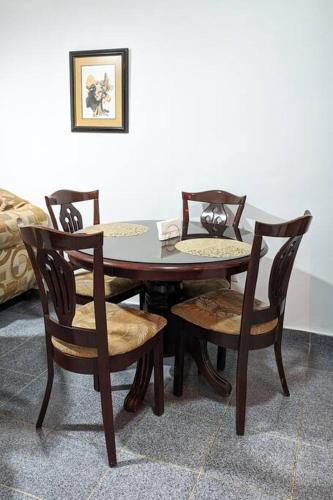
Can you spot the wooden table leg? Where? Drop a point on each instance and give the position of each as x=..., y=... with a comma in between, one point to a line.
x=139, y=387
x=160, y=297
x=206, y=369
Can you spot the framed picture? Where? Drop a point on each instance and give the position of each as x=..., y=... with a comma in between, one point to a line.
x=99, y=90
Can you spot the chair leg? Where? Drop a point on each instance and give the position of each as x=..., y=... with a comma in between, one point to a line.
x=142, y=297
x=50, y=375
x=241, y=388
x=221, y=355
x=158, y=377
x=179, y=365
x=107, y=414
x=96, y=383
x=278, y=357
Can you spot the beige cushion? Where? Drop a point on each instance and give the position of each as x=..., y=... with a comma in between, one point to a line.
x=220, y=311
x=113, y=286
x=194, y=288
x=12, y=208
x=16, y=273
x=127, y=329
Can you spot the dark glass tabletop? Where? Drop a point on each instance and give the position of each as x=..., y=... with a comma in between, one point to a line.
x=148, y=249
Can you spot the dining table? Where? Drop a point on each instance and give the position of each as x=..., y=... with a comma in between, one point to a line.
x=163, y=268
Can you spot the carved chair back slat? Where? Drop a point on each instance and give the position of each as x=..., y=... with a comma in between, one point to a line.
x=70, y=217
x=217, y=212
x=280, y=273
x=56, y=282
x=59, y=278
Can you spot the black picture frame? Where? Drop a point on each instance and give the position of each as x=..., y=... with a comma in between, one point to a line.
x=78, y=97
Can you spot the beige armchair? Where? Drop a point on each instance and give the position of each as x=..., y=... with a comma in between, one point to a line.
x=16, y=274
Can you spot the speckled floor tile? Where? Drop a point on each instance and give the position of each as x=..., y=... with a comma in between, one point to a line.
x=314, y=474
x=321, y=353
x=260, y=460
x=317, y=428
x=11, y=383
x=209, y=488
x=268, y=410
x=16, y=329
x=7, y=493
x=319, y=386
x=137, y=477
x=29, y=357
x=82, y=418
x=198, y=399
x=174, y=437
x=58, y=467
x=16, y=437
x=160, y=457
x=26, y=405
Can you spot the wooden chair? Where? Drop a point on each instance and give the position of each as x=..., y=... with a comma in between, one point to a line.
x=116, y=289
x=236, y=321
x=96, y=338
x=215, y=217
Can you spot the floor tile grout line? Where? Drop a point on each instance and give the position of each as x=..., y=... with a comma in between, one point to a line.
x=22, y=373
x=3, y=355
x=209, y=448
x=158, y=460
x=209, y=475
x=97, y=484
x=20, y=491
x=3, y=404
x=45, y=429
x=275, y=434
x=296, y=456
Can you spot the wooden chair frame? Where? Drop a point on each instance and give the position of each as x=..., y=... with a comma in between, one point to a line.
x=71, y=221
x=215, y=219
x=55, y=279
x=277, y=291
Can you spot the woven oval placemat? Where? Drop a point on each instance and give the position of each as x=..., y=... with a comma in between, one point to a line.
x=117, y=229
x=214, y=247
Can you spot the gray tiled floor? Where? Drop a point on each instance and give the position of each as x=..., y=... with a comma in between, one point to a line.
x=191, y=452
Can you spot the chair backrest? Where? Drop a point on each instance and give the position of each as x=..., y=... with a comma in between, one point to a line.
x=280, y=271
x=70, y=217
x=216, y=212
x=55, y=279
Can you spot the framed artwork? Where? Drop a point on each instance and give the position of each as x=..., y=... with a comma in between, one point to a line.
x=99, y=90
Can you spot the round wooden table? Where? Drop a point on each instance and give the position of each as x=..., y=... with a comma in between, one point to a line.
x=163, y=269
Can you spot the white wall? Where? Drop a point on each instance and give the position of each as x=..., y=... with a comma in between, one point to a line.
x=223, y=94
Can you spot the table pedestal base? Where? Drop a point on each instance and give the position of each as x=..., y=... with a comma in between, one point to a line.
x=160, y=297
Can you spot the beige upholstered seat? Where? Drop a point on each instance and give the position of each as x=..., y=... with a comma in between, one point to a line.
x=220, y=311
x=113, y=286
x=194, y=288
x=127, y=329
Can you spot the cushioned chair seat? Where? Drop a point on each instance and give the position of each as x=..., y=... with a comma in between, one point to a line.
x=127, y=329
x=199, y=287
x=220, y=311
x=113, y=286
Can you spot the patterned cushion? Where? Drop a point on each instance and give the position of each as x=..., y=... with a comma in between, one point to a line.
x=113, y=286
x=127, y=329
x=198, y=287
x=16, y=273
x=9, y=200
x=220, y=311
x=12, y=209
